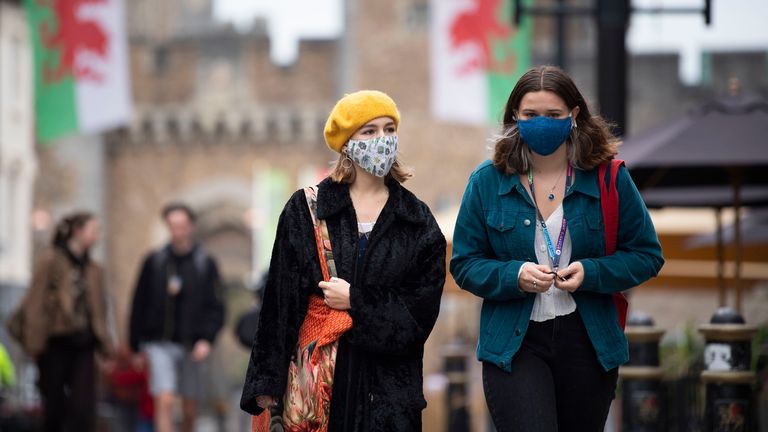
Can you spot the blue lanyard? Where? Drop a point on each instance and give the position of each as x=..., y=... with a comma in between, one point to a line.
x=554, y=252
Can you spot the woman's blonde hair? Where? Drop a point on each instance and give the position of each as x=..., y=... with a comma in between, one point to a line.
x=344, y=170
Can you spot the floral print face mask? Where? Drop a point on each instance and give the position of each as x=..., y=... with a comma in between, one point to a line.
x=375, y=155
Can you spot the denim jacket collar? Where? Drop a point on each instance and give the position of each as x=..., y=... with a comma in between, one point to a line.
x=586, y=183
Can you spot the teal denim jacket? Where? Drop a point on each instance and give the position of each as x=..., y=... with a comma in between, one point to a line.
x=494, y=236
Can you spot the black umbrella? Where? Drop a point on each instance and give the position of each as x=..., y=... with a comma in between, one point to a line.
x=719, y=146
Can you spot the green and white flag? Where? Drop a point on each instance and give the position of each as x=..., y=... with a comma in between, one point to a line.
x=477, y=57
x=81, y=66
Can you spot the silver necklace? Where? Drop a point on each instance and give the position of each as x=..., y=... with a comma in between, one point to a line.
x=551, y=195
x=361, y=218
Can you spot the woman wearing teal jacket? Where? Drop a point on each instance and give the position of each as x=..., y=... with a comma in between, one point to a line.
x=529, y=240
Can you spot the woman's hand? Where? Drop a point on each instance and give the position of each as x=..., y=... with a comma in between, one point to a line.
x=573, y=275
x=265, y=402
x=336, y=293
x=535, y=278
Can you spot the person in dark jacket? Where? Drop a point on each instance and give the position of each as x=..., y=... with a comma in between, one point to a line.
x=176, y=314
x=248, y=322
x=62, y=322
x=550, y=339
x=390, y=258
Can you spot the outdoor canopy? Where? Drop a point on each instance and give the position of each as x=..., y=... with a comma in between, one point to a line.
x=708, y=147
x=716, y=156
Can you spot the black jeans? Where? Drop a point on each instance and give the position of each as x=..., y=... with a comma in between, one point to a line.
x=556, y=383
x=67, y=384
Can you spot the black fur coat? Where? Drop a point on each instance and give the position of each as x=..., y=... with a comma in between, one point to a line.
x=395, y=298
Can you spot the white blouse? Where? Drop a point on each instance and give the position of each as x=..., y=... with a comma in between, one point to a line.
x=365, y=227
x=554, y=302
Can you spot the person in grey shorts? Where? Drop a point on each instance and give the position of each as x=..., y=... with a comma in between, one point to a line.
x=174, y=371
x=176, y=314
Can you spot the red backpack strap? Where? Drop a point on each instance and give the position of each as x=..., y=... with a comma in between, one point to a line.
x=609, y=202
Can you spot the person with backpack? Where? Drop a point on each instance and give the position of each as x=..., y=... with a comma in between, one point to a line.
x=176, y=314
x=534, y=239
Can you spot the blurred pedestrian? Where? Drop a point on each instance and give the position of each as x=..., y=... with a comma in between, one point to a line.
x=127, y=380
x=7, y=371
x=176, y=314
x=7, y=380
x=7, y=375
x=248, y=322
x=550, y=339
x=62, y=321
x=342, y=349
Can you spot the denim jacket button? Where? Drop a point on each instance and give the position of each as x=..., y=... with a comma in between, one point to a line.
x=503, y=365
x=517, y=332
x=527, y=222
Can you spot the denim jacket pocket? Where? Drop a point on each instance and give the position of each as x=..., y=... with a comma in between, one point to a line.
x=596, y=232
x=501, y=231
x=587, y=237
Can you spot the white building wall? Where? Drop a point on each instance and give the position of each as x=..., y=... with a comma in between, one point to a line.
x=17, y=153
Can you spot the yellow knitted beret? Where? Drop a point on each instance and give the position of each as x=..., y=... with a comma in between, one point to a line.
x=353, y=111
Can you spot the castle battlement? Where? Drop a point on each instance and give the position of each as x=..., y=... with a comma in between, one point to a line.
x=250, y=124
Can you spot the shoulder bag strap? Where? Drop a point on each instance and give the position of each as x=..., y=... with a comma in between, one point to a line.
x=322, y=237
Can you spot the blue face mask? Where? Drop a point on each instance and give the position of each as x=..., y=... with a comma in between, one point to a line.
x=544, y=135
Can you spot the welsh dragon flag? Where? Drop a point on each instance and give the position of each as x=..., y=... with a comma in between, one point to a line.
x=81, y=66
x=477, y=57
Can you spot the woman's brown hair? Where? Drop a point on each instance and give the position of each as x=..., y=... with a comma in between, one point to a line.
x=590, y=143
x=66, y=227
x=344, y=170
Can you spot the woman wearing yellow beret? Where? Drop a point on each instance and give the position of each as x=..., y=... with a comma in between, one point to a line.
x=353, y=290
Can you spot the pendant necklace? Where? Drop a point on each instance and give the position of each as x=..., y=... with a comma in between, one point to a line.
x=551, y=195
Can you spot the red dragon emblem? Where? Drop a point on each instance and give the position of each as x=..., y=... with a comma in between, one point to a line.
x=479, y=26
x=71, y=35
